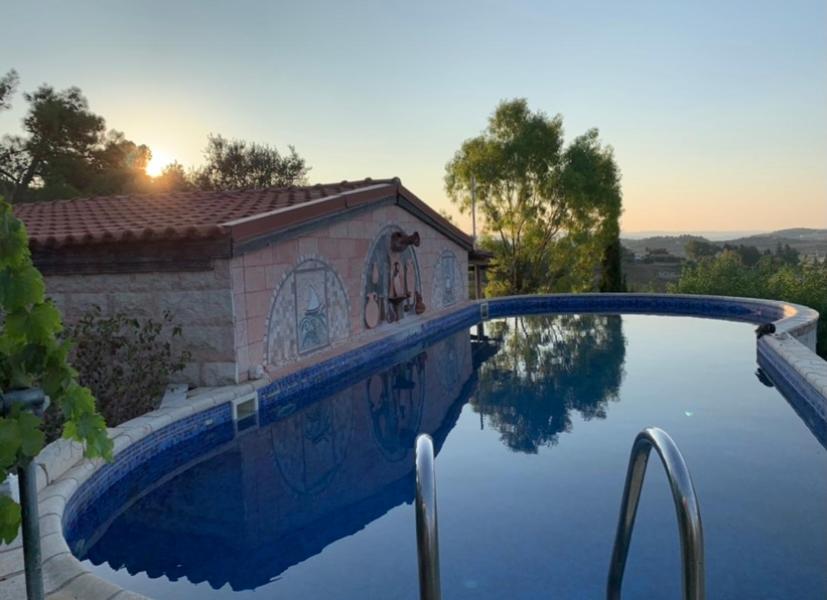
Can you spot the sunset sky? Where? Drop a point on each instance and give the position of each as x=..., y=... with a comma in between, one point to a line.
x=717, y=111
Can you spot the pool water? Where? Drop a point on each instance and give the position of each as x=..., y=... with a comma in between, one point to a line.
x=533, y=426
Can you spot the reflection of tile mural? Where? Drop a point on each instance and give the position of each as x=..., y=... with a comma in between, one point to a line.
x=310, y=446
x=449, y=281
x=310, y=311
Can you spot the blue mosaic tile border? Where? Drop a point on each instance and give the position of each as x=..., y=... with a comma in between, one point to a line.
x=340, y=371
x=666, y=304
x=285, y=394
x=137, y=457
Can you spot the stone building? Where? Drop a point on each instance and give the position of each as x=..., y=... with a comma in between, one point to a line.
x=258, y=279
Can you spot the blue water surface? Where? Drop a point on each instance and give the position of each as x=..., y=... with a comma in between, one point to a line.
x=533, y=427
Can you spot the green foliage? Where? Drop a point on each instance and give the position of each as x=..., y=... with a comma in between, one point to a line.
x=65, y=152
x=173, y=178
x=236, y=164
x=772, y=277
x=749, y=255
x=61, y=136
x=550, y=212
x=697, y=249
x=125, y=362
x=8, y=85
x=33, y=355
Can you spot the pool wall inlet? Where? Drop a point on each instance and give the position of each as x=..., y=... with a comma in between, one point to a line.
x=67, y=482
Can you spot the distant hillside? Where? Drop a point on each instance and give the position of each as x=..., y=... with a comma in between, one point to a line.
x=808, y=242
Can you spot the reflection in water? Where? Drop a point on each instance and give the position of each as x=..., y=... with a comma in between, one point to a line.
x=396, y=400
x=310, y=446
x=244, y=512
x=241, y=510
x=549, y=365
x=311, y=501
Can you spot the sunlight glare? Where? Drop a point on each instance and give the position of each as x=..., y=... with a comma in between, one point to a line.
x=157, y=163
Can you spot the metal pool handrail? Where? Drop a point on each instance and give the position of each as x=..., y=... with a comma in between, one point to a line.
x=686, y=504
x=427, y=539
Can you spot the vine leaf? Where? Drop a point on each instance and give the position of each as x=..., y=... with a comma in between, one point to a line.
x=10, y=442
x=9, y=519
x=31, y=355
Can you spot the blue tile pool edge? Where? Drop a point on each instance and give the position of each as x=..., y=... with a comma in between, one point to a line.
x=787, y=355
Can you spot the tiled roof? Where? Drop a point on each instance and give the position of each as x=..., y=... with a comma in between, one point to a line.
x=190, y=215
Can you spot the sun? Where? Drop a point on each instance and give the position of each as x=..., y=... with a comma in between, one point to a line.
x=156, y=164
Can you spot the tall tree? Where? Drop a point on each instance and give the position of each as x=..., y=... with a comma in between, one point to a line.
x=60, y=129
x=551, y=212
x=236, y=164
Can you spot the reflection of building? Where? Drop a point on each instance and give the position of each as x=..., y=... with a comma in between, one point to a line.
x=276, y=495
x=256, y=278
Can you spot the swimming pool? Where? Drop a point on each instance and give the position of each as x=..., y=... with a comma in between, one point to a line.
x=533, y=424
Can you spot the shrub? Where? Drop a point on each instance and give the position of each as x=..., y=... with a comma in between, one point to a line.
x=126, y=362
x=772, y=277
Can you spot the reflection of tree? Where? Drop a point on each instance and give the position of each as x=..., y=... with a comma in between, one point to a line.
x=548, y=366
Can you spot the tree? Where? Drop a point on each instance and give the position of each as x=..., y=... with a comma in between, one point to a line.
x=61, y=130
x=33, y=355
x=236, y=164
x=550, y=212
x=787, y=255
x=699, y=249
x=65, y=151
x=750, y=255
x=8, y=85
x=173, y=178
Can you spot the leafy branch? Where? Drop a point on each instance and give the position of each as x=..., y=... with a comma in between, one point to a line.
x=33, y=355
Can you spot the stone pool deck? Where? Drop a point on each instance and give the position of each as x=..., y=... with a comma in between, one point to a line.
x=66, y=480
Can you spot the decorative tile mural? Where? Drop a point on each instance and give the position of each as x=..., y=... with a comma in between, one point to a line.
x=310, y=289
x=449, y=281
x=310, y=311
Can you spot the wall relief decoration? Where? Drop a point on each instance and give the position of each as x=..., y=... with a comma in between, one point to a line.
x=309, y=312
x=393, y=288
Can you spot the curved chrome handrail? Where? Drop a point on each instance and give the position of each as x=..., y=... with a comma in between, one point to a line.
x=427, y=538
x=686, y=504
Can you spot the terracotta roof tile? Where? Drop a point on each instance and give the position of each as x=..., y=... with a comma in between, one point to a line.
x=171, y=216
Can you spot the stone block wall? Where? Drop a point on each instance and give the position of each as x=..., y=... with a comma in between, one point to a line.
x=200, y=301
x=267, y=320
